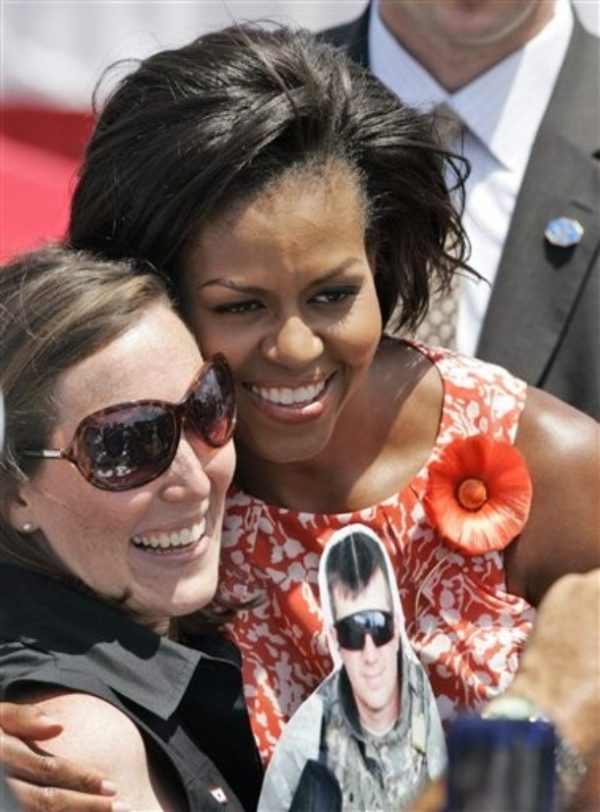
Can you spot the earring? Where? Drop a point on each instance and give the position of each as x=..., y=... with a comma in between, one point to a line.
x=28, y=527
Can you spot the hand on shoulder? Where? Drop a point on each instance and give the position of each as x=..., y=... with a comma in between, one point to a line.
x=99, y=735
x=42, y=781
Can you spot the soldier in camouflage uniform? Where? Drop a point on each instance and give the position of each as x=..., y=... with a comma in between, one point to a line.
x=373, y=724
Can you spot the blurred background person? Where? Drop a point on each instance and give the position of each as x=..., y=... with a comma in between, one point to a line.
x=517, y=89
x=54, y=51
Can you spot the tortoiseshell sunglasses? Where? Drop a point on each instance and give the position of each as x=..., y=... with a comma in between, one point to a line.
x=130, y=444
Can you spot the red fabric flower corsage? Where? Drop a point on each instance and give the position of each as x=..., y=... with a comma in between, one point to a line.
x=479, y=494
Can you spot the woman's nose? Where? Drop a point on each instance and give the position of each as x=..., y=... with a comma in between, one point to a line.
x=293, y=344
x=186, y=478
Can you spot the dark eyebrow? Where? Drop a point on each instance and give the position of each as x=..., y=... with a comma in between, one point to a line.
x=223, y=282
x=253, y=290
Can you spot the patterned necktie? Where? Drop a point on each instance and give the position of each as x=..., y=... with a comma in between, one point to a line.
x=438, y=329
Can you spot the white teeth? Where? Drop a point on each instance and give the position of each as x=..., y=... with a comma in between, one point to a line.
x=286, y=396
x=176, y=538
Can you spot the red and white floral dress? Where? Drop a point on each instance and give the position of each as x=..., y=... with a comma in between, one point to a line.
x=464, y=625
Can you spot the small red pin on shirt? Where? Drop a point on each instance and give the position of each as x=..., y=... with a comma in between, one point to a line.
x=218, y=794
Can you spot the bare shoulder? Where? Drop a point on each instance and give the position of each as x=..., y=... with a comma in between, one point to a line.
x=561, y=445
x=562, y=449
x=549, y=427
x=101, y=736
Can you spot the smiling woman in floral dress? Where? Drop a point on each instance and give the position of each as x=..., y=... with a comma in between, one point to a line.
x=297, y=207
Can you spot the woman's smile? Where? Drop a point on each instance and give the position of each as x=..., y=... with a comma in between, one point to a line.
x=295, y=403
x=175, y=555
x=166, y=541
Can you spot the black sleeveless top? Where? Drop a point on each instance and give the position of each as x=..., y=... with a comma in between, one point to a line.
x=187, y=701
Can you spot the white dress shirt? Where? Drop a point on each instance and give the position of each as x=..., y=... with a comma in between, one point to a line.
x=502, y=110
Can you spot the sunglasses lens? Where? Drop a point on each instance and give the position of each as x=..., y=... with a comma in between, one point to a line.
x=127, y=447
x=352, y=630
x=211, y=406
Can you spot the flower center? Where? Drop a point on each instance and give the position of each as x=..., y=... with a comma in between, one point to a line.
x=472, y=493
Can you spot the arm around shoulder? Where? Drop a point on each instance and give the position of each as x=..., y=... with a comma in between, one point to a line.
x=103, y=737
x=562, y=448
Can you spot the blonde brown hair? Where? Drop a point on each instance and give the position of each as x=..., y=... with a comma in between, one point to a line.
x=57, y=307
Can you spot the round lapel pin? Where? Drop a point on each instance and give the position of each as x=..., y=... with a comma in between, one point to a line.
x=564, y=232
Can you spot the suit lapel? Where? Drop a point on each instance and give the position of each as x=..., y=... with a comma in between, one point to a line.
x=353, y=37
x=538, y=285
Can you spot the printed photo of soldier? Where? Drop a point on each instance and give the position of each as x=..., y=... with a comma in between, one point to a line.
x=370, y=737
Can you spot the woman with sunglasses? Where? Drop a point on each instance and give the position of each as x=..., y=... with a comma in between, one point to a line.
x=117, y=459
x=299, y=210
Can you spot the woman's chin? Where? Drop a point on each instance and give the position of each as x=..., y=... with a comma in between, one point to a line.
x=185, y=599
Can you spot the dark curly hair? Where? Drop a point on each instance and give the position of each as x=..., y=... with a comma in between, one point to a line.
x=196, y=131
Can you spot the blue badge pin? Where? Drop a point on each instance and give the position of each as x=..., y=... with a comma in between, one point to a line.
x=564, y=232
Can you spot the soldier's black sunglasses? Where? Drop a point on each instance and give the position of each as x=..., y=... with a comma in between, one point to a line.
x=352, y=630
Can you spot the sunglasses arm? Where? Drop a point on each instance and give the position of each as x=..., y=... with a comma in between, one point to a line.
x=46, y=454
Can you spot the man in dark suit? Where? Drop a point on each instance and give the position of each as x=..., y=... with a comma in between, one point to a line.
x=523, y=76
